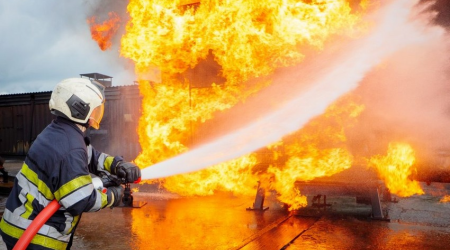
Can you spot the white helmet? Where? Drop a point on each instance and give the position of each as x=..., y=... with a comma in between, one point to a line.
x=80, y=100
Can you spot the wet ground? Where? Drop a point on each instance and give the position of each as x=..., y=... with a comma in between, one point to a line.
x=221, y=221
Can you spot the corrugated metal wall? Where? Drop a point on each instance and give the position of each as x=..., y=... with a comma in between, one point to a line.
x=117, y=134
x=24, y=116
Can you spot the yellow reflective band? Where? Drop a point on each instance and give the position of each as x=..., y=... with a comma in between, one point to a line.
x=38, y=239
x=33, y=178
x=28, y=206
x=76, y=218
x=72, y=185
x=108, y=162
x=104, y=199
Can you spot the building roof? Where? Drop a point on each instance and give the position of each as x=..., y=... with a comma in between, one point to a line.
x=96, y=76
x=115, y=92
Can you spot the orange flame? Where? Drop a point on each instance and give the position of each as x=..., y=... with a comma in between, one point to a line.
x=235, y=176
x=102, y=33
x=247, y=40
x=445, y=199
x=396, y=169
x=317, y=150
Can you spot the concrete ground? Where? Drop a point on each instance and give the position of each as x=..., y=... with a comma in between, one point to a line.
x=221, y=221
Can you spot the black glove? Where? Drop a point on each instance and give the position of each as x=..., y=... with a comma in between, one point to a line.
x=108, y=180
x=128, y=171
x=115, y=195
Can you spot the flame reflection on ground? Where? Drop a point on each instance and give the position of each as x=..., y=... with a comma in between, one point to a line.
x=221, y=221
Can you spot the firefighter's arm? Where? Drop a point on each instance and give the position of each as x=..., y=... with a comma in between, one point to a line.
x=99, y=162
x=75, y=190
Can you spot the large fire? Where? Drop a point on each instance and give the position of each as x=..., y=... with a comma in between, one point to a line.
x=245, y=42
x=316, y=150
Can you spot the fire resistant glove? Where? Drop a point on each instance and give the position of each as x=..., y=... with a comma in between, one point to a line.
x=115, y=195
x=128, y=171
x=108, y=180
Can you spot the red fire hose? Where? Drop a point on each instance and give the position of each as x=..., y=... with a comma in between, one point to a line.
x=43, y=217
x=37, y=223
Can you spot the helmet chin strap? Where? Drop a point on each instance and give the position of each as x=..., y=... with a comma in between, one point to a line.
x=81, y=127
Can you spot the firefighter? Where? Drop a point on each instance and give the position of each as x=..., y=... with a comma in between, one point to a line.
x=58, y=166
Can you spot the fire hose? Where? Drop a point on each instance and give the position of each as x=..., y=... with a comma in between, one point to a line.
x=37, y=223
x=43, y=216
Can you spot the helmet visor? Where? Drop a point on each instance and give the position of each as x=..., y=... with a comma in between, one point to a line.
x=96, y=116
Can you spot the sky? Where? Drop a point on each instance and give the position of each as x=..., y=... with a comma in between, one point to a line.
x=44, y=42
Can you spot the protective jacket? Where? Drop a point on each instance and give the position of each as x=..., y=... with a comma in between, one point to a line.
x=57, y=166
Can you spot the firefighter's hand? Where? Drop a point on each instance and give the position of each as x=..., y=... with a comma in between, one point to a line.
x=108, y=180
x=128, y=171
x=115, y=195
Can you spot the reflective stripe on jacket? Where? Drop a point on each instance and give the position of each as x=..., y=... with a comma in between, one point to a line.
x=56, y=167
